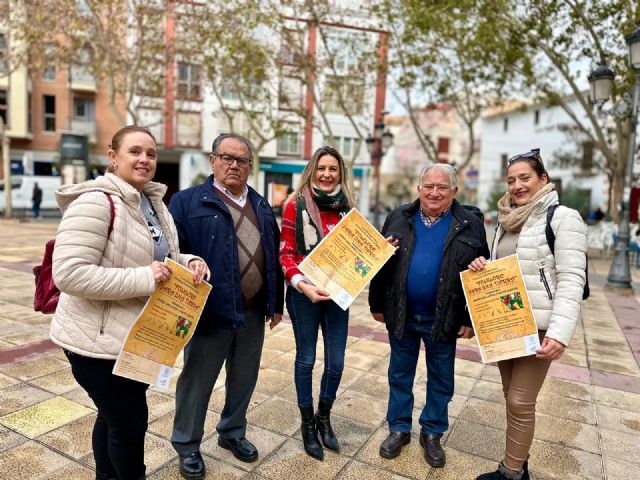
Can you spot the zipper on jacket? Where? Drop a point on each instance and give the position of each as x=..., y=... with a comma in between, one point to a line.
x=543, y=279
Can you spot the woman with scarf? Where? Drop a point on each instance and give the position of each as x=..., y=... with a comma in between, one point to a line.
x=316, y=206
x=555, y=284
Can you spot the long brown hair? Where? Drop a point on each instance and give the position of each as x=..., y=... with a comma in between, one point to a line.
x=118, y=137
x=307, y=174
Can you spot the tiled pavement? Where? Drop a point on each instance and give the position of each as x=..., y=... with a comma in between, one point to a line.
x=588, y=423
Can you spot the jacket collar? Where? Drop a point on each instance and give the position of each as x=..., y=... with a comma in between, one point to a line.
x=111, y=184
x=208, y=194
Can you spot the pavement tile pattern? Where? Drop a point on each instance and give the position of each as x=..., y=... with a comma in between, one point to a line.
x=588, y=422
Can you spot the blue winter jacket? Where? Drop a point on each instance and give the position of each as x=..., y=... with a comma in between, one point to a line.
x=205, y=228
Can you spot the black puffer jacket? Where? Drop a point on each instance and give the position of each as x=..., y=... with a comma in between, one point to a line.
x=465, y=241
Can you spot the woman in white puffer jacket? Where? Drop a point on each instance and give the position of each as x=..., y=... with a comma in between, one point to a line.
x=105, y=278
x=555, y=284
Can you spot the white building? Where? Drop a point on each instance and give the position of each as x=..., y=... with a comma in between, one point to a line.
x=517, y=127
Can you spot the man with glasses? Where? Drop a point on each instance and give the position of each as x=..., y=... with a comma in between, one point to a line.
x=418, y=295
x=233, y=228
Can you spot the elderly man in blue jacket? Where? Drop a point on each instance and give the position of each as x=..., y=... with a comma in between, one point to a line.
x=233, y=228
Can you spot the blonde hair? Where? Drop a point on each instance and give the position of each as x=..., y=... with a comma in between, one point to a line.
x=307, y=174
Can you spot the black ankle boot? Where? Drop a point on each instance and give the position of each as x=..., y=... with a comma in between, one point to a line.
x=309, y=435
x=503, y=473
x=323, y=425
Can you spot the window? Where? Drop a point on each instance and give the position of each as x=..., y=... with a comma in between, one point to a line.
x=84, y=109
x=81, y=70
x=188, y=81
x=3, y=54
x=352, y=91
x=289, y=143
x=290, y=94
x=49, y=102
x=48, y=67
x=443, y=149
x=504, y=160
x=587, y=156
x=3, y=106
x=291, y=46
x=346, y=50
x=505, y=125
x=345, y=145
x=536, y=117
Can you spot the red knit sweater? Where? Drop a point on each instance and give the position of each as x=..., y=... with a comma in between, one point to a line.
x=289, y=256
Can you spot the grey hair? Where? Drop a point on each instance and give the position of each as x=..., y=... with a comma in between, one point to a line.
x=443, y=167
x=223, y=136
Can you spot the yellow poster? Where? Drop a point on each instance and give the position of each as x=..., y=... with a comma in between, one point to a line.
x=163, y=328
x=347, y=258
x=500, y=310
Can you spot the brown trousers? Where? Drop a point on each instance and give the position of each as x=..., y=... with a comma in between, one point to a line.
x=522, y=379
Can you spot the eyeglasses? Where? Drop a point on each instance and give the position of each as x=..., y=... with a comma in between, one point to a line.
x=436, y=188
x=229, y=159
x=533, y=153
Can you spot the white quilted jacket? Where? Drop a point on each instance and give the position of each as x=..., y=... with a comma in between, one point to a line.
x=564, y=272
x=105, y=282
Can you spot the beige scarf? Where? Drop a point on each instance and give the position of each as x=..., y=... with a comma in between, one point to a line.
x=512, y=218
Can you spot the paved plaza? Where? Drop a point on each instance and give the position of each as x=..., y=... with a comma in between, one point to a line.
x=588, y=423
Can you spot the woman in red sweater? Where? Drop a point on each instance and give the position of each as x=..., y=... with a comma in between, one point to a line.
x=312, y=210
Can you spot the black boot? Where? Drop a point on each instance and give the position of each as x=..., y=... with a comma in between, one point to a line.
x=323, y=424
x=503, y=473
x=309, y=435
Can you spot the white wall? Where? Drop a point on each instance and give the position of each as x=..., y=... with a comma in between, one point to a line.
x=521, y=136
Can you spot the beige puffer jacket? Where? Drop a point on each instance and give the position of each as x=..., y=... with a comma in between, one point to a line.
x=564, y=272
x=105, y=282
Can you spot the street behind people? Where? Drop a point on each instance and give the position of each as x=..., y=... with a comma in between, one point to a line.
x=36, y=199
x=233, y=228
x=418, y=295
x=310, y=213
x=105, y=280
x=554, y=284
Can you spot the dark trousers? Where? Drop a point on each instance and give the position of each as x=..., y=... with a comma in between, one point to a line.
x=239, y=350
x=118, y=434
x=307, y=317
x=402, y=371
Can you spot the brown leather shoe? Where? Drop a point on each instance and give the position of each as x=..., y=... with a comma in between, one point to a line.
x=433, y=452
x=392, y=446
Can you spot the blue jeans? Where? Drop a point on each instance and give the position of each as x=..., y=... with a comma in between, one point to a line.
x=402, y=371
x=306, y=317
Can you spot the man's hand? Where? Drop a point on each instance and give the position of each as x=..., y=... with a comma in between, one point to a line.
x=313, y=293
x=378, y=317
x=273, y=321
x=550, y=349
x=477, y=264
x=466, y=332
x=199, y=269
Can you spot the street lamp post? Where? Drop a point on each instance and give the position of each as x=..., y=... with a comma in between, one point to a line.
x=377, y=146
x=601, y=81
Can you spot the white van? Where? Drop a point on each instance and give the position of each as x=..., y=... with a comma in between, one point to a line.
x=22, y=192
